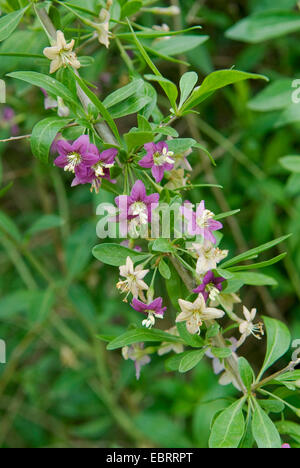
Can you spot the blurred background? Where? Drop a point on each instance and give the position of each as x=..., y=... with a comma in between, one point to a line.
x=60, y=387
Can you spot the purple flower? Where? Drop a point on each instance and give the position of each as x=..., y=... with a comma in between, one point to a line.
x=210, y=286
x=286, y=446
x=78, y=154
x=100, y=170
x=153, y=309
x=158, y=158
x=9, y=117
x=137, y=204
x=138, y=355
x=201, y=222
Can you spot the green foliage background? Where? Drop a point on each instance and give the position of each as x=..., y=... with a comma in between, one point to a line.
x=60, y=387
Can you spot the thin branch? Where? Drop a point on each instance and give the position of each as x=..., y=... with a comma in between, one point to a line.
x=21, y=137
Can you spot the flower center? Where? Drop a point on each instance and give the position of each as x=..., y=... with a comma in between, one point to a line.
x=139, y=209
x=213, y=291
x=99, y=168
x=74, y=159
x=162, y=158
x=203, y=220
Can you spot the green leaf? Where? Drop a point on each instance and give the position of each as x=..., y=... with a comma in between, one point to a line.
x=278, y=342
x=264, y=26
x=291, y=163
x=226, y=214
x=190, y=360
x=164, y=84
x=246, y=372
x=169, y=87
x=290, y=376
x=43, y=134
x=255, y=279
x=135, y=139
x=169, y=131
x=272, y=406
x=221, y=353
x=175, y=288
x=164, y=270
x=187, y=84
x=289, y=428
x=254, y=252
x=132, y=105
x=173, y=362
x=181, y=145
x=273, y=97
x=162, y=245
x=141, y=335
x=229, y=427
x=131, y=7
x=179, y=44
x=255, y=266
x=212, y=331
x=195, y=341
x=8, y=23
x=217, y=80
x=123, y=93
x=116, y=255
x=264, y=430
x=44, y=223
x=152, y=34
x=51, y=85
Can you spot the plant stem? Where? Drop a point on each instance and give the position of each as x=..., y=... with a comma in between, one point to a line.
x=101, y=127
x=270, y=378
x=218, y=341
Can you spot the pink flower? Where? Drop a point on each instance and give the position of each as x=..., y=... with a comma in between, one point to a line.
x=100, y=170
x=137, y=204
x=201, y=222
x=286, y=446
x=158, y=158
x=138, y=355
x=78, y=154
x=154, y=309
x=9, y=116
x=210, y=286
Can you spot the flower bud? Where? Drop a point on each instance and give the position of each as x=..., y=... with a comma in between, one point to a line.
x=63, y=110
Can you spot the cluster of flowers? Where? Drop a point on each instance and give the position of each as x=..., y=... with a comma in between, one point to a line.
x=90, y=166
x=84, y=160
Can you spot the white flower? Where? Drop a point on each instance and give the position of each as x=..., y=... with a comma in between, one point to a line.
x=103, y=27
x=163, y=158
x=247, y=327
x=194, y=313
x=166, y=348
x=133, y=283
x=61, y=53
x=208, y=256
